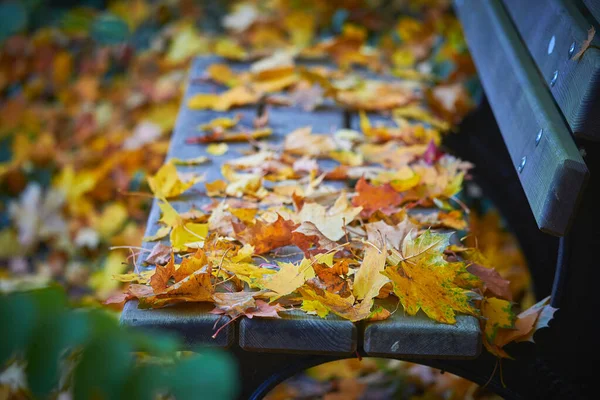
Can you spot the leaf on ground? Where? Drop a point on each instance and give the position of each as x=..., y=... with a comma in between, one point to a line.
x=303, y=142
x=375, y=198
x=266, y=236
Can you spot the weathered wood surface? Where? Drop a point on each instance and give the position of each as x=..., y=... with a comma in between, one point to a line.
x=406, y=336
x=295, y=332
x=551, y=170
x=593, y=7
x=549, y=28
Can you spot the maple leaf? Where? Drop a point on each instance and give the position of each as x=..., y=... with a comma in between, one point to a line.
x=183, y=234
x=314, y=307
x=162, y=275
x=303, y=142
x=375, y=198
x=394, y=234
x=424, y=280
x=190, y=265
x=194, y=288
x=497, y=314
x=166, y=183
x=527, y=323
x=266, y=236
x=159, y=254
x=368, y=279
x=290, y=277
x=307, y=235
x=492, y=280
x=342, y=306
x=330, y=222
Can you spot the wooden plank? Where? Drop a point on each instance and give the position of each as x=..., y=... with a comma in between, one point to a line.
x=549, y=29
x=297, y=332
x=593, y=7
x=553, y=171
x=192, y=322
x=418, y=336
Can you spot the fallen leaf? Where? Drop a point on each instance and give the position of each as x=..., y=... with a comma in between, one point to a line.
x=217, y=149
x=166, y=183
x=266, y=236
x=375, y=198
x=424, y=280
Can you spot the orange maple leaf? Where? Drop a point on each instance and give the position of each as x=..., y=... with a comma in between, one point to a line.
x=264, y=236
x=373, y=198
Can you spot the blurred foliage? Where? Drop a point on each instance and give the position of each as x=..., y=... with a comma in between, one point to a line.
x=86, y=353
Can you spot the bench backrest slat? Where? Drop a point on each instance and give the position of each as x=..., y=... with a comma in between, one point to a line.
x=551, y=170
x=549, y=28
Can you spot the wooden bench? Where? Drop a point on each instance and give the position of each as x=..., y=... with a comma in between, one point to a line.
x=264, y=346
x=538, y=163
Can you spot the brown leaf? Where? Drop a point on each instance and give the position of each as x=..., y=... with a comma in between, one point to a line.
x=161, y=275
x=190, y=265
x=492, y=281
x=265, y=310
x=159, y=255
x=307, y=234
x=194, y=288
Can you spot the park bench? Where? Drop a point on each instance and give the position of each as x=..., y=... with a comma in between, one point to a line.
x=538, y=180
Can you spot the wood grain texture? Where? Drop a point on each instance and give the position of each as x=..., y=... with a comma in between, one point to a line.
x=548, y=29
x=297, y=332
x=191, y=322
x=593, y=7
x=554, y=171
x=418, y=336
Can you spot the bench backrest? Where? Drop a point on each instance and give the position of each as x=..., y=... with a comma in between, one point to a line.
x=540, y=97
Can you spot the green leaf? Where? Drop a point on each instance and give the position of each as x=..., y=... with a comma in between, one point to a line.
x=145, y=382
x=17, y=315
x=49, y=342
x=104, y=368
x=210, y=372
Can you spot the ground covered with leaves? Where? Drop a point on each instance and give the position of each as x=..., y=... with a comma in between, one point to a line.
x=90, y=98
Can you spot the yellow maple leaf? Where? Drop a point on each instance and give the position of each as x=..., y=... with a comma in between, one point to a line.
x=314, y=307
x=368, y=280
x=424, y=280
x=166, y=183
x=497, y=314
x=290, y=277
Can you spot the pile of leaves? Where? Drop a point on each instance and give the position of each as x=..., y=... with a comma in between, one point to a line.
x=371, y=225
